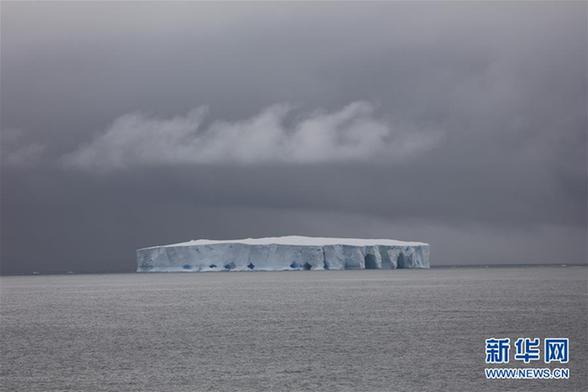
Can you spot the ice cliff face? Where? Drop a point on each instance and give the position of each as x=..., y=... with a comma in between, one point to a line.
x=283, y=253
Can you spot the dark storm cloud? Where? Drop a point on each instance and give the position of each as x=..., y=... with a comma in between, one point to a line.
x=473, y=117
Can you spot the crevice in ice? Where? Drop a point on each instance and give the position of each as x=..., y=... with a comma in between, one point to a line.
x=370, y=262
x=187, y=266
x=212, y=266
x=295, y=265
x=230, y=266
x=404, y=261
x=307, y=266
x=250, y=266
x=325, y=264
x=400, y=261
x=146, y=265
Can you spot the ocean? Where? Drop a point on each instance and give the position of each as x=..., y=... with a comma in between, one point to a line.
x=372, y=330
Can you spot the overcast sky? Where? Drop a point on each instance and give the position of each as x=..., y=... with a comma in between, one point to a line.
x=127, y=125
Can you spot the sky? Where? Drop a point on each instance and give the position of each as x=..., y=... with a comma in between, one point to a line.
x=125, y=125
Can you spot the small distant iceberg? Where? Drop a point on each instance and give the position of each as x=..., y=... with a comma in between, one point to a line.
x=289, y=253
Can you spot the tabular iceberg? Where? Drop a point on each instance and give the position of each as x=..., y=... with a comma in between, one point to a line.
x=283, y=253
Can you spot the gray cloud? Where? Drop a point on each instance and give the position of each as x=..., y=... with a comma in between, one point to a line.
x=14, y=151
x=352, y=133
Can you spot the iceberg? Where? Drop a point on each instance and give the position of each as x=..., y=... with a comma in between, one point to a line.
x=283, y=254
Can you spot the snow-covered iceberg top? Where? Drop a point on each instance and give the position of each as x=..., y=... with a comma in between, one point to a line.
x=283, y=253
x=298, y=240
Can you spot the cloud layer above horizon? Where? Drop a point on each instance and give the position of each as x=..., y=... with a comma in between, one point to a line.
x=275, y=135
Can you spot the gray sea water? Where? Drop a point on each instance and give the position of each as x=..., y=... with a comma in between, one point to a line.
x=404, y=330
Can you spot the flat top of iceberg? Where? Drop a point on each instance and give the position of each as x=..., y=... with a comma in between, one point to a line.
x=302, y=241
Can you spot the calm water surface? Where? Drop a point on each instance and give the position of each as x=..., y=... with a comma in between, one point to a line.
x=405, y=330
